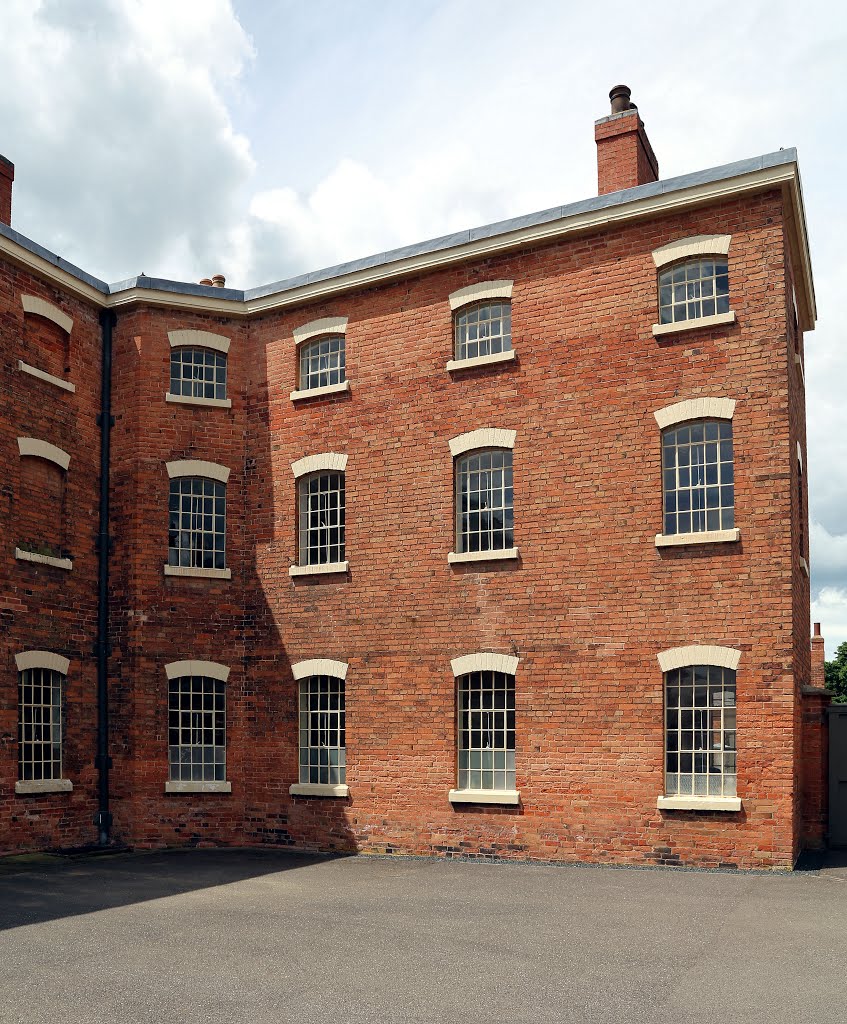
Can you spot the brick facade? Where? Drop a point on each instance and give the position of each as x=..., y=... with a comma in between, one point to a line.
x=586, y=607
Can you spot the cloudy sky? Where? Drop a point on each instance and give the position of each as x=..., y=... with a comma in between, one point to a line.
x=262, y=138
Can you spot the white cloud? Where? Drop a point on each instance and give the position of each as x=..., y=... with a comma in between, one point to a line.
x=114, y=113
x=353, y=213
x=830, y=609
x=828, y=556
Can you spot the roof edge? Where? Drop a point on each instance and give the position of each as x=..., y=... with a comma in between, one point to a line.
x=779, y=168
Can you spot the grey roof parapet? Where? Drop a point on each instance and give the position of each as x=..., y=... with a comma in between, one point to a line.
x=433, y=245
x=162, y=284
x=503, y=227
x=57, y=261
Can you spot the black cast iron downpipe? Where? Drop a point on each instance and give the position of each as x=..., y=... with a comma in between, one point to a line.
x=103, y=817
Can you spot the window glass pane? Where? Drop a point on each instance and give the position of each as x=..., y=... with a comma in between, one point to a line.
x=322, y=519
x=323, y=757
x=40, y=724
x=693, y=290
x=486, y=731
x=196, y=525
x=196, y=729
x=695, y=762
x=483, y=330
x=198, y=373
x=485, y=501
x=697, y=474
x=322, y=362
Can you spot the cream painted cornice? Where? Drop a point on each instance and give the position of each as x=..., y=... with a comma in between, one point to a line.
x=780, y=175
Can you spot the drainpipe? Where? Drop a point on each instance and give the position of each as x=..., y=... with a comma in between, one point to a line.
x=105, y=420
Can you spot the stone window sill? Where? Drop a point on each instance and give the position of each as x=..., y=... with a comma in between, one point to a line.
x=318, y=789
x=33, y=556
x=699, y=803
x=198, y=787
x=212, y=403
x=718, y=320
x=188, y=570
x=33, y=371
x=804, y=565
x=455, y=558
x=330, y=389
x=31, y=787
x=509, y=797
x=318, y=570
x=670, y=540
x=489, y=360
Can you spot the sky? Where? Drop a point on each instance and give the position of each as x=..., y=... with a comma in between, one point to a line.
x=265, y=138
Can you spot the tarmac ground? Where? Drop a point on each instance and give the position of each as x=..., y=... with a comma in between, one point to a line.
x=256, y=936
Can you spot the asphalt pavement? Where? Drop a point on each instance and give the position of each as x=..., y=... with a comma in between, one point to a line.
x=259, y=936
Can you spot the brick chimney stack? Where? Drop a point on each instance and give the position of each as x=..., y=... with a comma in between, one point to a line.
x=625, y=157
x=818, y=658
x=7, y=176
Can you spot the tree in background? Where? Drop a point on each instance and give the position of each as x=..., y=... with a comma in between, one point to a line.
x=836, y=675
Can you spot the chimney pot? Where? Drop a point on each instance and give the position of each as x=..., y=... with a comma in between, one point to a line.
x=625, y=157
x=817, y=629
x=207, y=281
x=218, y=280
x=619, y=96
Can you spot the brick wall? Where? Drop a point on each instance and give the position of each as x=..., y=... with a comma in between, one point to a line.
x=586, y=608
x=158, y=619
x=591, y=600
x=50, y=511
x=625, y=157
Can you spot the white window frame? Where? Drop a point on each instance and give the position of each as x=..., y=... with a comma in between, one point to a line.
x=688, y=657
x=324, y=462
x=694, y=410
x=200, y=340
x=27, y=661
x=330, y=326
x=694, y=247
x=208, y=471
x=475, y=295
x=302, y=671
x=484, y=439
x=482, y=661
x=218, y=673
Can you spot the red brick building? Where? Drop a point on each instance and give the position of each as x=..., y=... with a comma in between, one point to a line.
x=495, y=545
